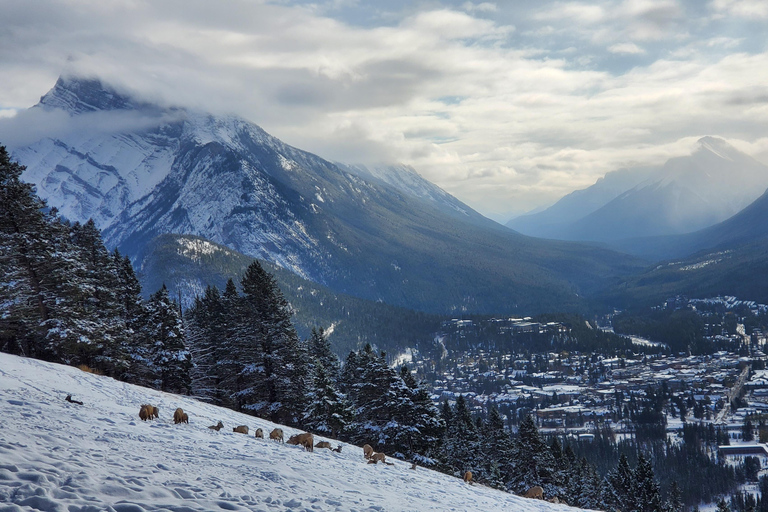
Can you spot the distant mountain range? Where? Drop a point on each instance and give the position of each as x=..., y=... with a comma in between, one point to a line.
x=383, y=234
x=685, y=194
x=747, y=226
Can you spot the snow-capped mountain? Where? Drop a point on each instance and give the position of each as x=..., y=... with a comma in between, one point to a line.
x=406, y=179
x=59, y=455
x=685, y=194
x=141, y=170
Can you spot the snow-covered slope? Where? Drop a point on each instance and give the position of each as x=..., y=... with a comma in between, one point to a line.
x=60, y=456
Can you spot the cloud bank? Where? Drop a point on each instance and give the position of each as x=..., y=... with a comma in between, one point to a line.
x=506, y=106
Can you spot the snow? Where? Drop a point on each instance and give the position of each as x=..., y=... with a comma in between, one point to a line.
x=57, y=456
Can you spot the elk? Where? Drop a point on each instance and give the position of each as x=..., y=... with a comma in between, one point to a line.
x=468, y=477
x=217, y=427
x=242, y=429
x=259, y=433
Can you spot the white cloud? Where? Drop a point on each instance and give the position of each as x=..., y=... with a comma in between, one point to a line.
x=481, y=7
x=626, y=48
x=750, y=9
x=504, y=119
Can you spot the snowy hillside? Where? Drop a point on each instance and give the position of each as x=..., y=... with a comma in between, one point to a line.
x=56, y=455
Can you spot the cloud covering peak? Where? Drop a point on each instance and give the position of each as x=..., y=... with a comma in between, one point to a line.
x=506, y=106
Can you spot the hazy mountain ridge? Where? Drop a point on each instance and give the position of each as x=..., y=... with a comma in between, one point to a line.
x=227, y=180
x=685, y=194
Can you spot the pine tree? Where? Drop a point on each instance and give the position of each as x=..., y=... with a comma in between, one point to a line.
x=170, y=358
x=329, y=412
x=206, y=328
x=497, y=453
x=533, y=461
x=461, y=443
x=320, y=350
x=619, y=491
x=273, y=366
x=675, y=502
x=424, y=418
x=646, y=489
x=34, y=261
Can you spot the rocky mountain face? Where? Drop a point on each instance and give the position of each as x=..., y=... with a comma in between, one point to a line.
x=685, y=194
x=141, y=170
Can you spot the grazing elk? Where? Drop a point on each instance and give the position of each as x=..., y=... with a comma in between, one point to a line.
x=179, y=416
x=367, y=451
x=306, y=440
x=323, y=444
x=242, y=429
x=468, y=477
x=259, y=433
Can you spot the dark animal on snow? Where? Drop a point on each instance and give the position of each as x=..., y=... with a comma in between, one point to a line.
x=468, y=477
x=69, y=399
x=337, y=450
x=178, y=416
x=146, y=412
x=217, y=427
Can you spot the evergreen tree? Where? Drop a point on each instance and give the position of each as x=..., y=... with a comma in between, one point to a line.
x=533, y=461
x=646, y=489
x=496, y=446
x=206, y=327
x=329, y=412
x=461, y=443
x=619, y=491
x=320, y=350
x=170, y=358
x=675, y=500
x=273, y=364
x=35, y=258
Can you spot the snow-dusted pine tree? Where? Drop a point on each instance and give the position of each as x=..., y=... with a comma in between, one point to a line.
x=170, y=358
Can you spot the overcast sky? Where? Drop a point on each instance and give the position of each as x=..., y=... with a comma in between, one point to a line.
x=507, y=105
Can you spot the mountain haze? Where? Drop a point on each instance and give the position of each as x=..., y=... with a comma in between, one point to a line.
x=685, y=194
x=141, y=170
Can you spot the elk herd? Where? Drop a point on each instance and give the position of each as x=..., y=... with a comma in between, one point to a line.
x=307, y=440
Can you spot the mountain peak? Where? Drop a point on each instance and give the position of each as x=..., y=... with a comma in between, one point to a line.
x=79, y=95
x=720, y=148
